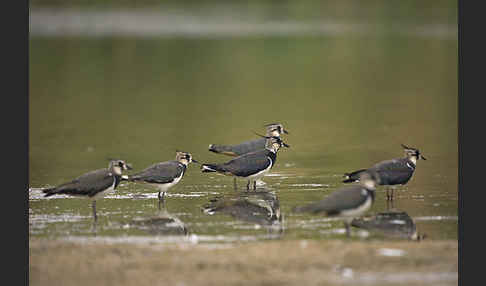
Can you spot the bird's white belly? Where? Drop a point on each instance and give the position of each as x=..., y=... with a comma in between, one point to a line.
x=358, y=211
x=261, y=173
x=105, y=192
x=165, y=187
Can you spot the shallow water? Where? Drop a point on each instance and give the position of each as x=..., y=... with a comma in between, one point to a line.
x=349, y=99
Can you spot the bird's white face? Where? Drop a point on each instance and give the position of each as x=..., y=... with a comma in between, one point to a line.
x=369, y=184
x=413, y=159
x=275, y=130
x=275, y=146
x=116, y=167
x=184, y=158
x=117, y=170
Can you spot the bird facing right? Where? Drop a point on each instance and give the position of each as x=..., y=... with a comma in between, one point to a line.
x=273, y=129
x=250, y=166
x=93, y=185
x=163, y=175
x=391, y=172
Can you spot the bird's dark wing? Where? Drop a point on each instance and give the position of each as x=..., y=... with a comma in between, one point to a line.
x=87, y=184
x=239, y=149
x=248, y=164
x=159, y=173
x=342, y=199
x=396, y=171
x=249, y=146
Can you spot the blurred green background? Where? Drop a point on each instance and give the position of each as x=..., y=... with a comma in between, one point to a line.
x=350, y=80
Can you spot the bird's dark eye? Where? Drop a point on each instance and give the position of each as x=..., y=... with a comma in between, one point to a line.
x=120, y=164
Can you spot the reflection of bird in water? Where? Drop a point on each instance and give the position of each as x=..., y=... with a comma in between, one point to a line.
x=163, y=223
x=393, y=224
x=260, y=207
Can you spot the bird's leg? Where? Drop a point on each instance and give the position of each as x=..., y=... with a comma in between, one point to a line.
x=161, y=197
x=348, y=228
x=387, y=194
x=234, y=184
x=391, y=197
x=93, y=206
x=248, y=185
x=254, y=185
x=93, y=227
x=161, y=202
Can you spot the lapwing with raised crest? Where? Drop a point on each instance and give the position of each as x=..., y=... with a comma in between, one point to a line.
x=94, y=185
x=250, y=166
x=391, y=172
x=164, y=175
x=348, y=202
x=273, y=129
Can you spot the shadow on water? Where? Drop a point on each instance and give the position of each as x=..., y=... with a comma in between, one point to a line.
x=259, y=207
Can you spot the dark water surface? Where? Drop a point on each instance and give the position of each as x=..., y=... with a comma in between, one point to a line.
x=348, y=99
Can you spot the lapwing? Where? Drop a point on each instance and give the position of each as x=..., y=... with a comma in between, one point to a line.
x=164, y=175
x=391, y=172
x=94, y=185
x=348, y=202
x=250, y=166
x=273, y=129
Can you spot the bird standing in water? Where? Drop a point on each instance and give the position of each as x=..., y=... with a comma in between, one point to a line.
x=250, y=166
x=348, y=202
x=164, y=175
x=391, y=172
x=94, y=184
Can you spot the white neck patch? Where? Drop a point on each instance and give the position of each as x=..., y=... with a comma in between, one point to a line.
x=413, y=159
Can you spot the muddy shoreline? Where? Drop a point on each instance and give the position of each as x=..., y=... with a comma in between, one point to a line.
x=295, y=262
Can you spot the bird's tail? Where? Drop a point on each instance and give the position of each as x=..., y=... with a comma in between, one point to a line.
x=49, y=192
x=207, y=168
x=352, y=177
x=221, y=149
x=125, y=178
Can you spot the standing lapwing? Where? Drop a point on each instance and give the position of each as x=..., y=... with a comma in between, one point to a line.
x=94, y=184
x=391, y=172
x=250, y=166
x=273, y=129
x=164, y=175
x=348, y=202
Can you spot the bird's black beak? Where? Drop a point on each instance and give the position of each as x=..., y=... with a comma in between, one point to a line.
x=195, y=161
x=285, y=131
x=422, y=157
x=128, y=166
x=285, y=145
